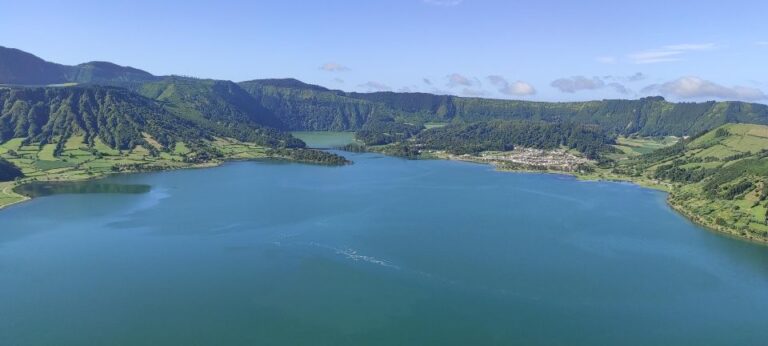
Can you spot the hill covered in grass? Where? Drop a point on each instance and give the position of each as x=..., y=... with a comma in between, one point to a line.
x=719, y=178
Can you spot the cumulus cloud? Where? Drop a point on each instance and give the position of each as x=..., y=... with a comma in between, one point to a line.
x=638, y=76
x=333, y=67
x=375, y=86
x=577, y=83
x=674, y=52
x=455, y=79
x=443, y=2
x=691, y=87
x=517, y=88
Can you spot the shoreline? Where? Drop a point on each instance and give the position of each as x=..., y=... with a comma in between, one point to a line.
x=13, y=184
x=9, y=190
x=679, y=209
x=587, y=177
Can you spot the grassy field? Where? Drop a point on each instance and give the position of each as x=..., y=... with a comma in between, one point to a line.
x=729, y=156
x=79, y=161
x=635, y=146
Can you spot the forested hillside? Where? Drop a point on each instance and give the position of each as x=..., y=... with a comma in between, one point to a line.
x=222, y=106
x=307, y=107
x=119, y=118
x=499, y=135
x=301, y=106
x=116, y=116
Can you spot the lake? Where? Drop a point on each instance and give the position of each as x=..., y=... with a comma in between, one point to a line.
x=383, y=252
x=325, y=139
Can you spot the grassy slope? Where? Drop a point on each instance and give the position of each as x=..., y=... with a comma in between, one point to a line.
x=728, y=158
x=80, y=162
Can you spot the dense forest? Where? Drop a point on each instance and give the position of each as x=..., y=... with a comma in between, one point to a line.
x=500, y=135
x=222, y=107
x=116, y=116
x=381, y=131
x=310, y=155
x=303, y=106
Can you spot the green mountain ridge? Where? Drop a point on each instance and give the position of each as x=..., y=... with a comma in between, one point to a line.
x=21, y=68
x=305, y=107
x=114, y=115
x=292, y=105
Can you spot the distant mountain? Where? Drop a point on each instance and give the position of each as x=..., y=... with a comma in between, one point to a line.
x=301, y=106
x=273, y=105
x=21, y=68
x=308, y=107
x=97, y=72
x=209, y=101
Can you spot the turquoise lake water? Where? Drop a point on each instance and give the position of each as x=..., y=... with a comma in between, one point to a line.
x=383, y=252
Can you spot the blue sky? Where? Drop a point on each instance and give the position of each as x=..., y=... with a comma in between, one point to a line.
x=537, y=50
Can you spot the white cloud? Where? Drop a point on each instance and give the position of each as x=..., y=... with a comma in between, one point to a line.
x=673, y=52
x=692, y=87
x=333, y=67
x=517, y=88
x=655, y=56
x=577, y=83
x=375, y=86
x=456, y=79
x=443, y=2
x=637, y=76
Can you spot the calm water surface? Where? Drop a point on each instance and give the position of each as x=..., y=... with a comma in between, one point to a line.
x=325, y=139
x=382, y=252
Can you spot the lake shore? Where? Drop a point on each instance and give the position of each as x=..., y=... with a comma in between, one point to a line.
x=9, y=197
x=612, y=177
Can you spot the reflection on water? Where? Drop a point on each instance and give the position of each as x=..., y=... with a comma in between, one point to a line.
x=47, y=188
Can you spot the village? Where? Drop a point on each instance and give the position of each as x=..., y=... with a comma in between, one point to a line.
x=527, y=159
